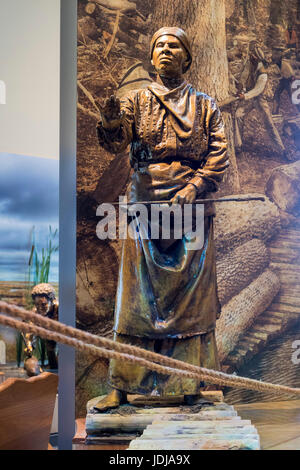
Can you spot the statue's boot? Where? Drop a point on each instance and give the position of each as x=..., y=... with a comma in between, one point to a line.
x=112, y=400
x=191, y=400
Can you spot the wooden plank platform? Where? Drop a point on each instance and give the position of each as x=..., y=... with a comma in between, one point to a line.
x=207, y=425
x=278, y=425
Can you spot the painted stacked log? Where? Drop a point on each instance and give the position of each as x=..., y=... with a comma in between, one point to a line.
x=246, y=285
x=237, y=223
x=236, y=269
x=283, y=187
x=242, y=310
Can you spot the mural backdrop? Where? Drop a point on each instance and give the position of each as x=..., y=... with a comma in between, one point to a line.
x=246, y=55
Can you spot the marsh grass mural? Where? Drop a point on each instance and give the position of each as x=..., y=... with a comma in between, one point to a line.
x=28, y=235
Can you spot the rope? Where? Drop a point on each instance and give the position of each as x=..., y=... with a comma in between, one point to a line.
x=108, y=349
x=206, y=374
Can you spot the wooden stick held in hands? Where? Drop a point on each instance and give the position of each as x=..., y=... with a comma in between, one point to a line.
x=197, y=201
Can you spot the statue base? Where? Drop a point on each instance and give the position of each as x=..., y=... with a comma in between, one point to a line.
x=157, y=423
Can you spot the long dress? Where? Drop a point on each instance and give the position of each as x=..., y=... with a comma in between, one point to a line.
x=167, y=299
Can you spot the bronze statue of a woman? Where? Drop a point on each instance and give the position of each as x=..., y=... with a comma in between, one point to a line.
x=167, y=298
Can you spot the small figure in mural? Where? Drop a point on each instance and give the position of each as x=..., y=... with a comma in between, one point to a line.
x=253, y=84
x=45, y=304
x=287, y=76
x=167, y=295
x=291, y=38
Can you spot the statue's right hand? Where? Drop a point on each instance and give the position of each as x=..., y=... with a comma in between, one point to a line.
x=111, y=115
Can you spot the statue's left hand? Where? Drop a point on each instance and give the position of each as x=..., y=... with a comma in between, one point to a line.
x=187, y=195
x=111, y=114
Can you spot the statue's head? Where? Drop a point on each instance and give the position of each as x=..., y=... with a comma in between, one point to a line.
x=170, y=52
x=43, y=296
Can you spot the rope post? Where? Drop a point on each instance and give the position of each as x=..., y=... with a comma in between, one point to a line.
x=67, y=218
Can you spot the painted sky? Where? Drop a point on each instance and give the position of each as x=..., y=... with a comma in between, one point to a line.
x=28, y=198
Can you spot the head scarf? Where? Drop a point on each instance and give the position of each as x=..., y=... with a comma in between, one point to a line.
x=179, y=34
x=180, y=105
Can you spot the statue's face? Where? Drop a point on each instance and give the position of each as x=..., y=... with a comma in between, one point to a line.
x=169, y=56
x=42, y=304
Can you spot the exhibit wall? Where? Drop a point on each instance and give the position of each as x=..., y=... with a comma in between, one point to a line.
x=246, y=56
x=29, y=154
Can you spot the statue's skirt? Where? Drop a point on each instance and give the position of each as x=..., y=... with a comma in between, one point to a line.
x=167, y=298
x=198, y=350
